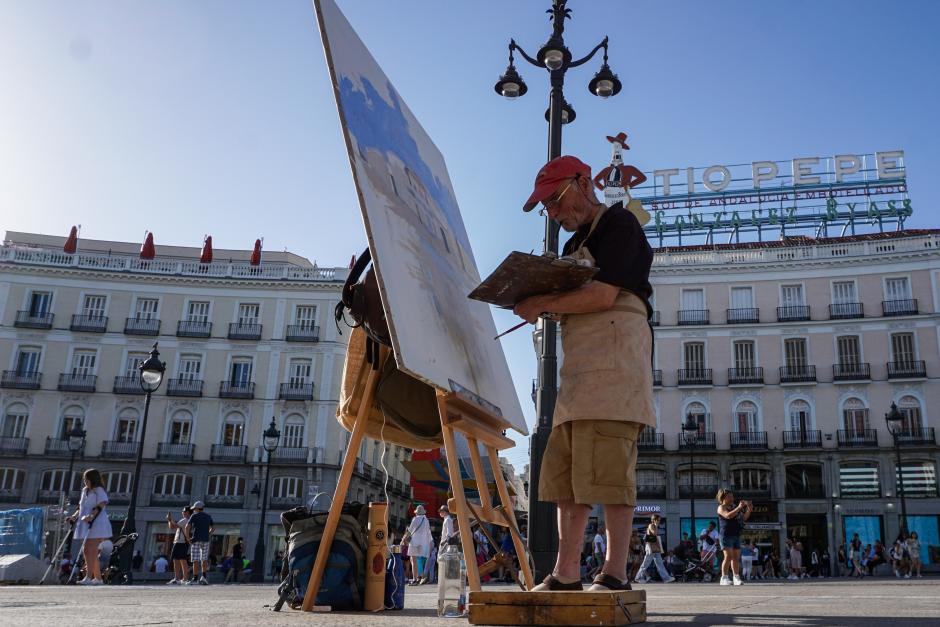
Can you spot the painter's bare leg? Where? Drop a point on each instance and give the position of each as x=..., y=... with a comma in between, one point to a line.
x=572, y=519
x=619, y=521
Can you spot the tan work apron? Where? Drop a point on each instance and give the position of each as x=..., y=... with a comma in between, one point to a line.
x=606, y=372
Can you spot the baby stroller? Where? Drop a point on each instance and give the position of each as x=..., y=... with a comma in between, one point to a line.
x=113, y=574
x=700, y=569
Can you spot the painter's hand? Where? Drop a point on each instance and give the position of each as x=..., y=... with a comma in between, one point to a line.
x=529, y=309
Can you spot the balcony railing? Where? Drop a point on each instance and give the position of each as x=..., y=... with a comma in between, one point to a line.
x=225, y=501
x=703, y=490
x=25, y=380
x=184, y=387
x=57, y=447
x=193, y=328
x=905, y=307
x=797, y=374
x=705, y=441
x=173, y=451
x=13, y=447
x=651, y=491
x=69, y=382
x=846, y=311
x=89, y=324
x=127, y=385
x=296, y=392
x=748, y=439
x=33, y=320
x=792, y=313
x=119, y=498
x=746, y=376
x=113, y=449
x=302, y=333
x=228, y=453
x=286, y=502
x=11, y=495
x=140, y=326
x=170, y=499
x=914, y=437
x=811, y=438
x=693, y=316
x=651, y=440
x=695, y=376
x=907, y=370
x=654, y=320
x=286, y=455
x=859, y=438
x=851, y=372
x=244, y=331
x=227, y=389
x=743, y=315
x=657, y=378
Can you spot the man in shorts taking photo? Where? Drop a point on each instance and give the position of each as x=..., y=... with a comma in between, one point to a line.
x=200, y=530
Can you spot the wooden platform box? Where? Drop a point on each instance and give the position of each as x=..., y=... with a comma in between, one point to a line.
x=489, y=607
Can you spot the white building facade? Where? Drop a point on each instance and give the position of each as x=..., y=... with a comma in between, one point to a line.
x=243, y=344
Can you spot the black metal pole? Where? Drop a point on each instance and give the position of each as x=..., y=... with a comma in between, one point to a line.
x=257, y=568
x=66, y=501
x=130, y=525
x=897, y=450
x=692, y=533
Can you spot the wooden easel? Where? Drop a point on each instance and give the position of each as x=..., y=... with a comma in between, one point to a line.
x=458, y=415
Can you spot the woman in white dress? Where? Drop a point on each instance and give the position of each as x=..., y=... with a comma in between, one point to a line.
x=92, y=524
x=419, y=544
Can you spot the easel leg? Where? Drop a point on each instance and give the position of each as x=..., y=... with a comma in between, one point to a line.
x=342, y=486
x=456, y=485
x=521, y=551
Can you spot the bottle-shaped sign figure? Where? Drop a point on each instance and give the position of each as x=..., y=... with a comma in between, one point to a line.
x=616, y=179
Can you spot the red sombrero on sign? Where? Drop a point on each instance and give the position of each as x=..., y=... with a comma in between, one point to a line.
x=621, y=139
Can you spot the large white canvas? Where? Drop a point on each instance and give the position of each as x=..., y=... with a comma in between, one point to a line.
x=419, y=244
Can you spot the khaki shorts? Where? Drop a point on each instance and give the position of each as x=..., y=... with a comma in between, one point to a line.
x=590, y=462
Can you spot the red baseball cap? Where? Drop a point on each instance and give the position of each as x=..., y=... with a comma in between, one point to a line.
x=552, y=173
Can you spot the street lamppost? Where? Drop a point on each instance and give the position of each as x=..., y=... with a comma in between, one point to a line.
x=76, y=442
x=151, y=376
x=555, y=57
x=690, y=435
x=271, y=439
x=895, y=421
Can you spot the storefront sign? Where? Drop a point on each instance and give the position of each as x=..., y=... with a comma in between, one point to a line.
x=648, y=509
x=763, y=526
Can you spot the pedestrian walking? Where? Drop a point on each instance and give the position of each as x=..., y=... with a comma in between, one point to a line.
x=795, y=554
x=447, y=525
x=180, y=552
x=913, y=549
x=730, y=524
x=636, y=555
x=91, y=524
x=654, y=553
x=419, y=544
x=200, y=532
x=855, y=557
x=598, y=550
x=238, y=556
x=747, y=560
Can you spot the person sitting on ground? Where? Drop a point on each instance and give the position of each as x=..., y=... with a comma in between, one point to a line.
x=160, y=564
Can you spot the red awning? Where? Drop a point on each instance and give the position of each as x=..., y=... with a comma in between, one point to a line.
x=147, y=251
x=71, y=244
x=206, y=250
x=256, y=254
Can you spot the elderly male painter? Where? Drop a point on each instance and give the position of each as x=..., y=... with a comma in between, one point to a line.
x=606, y=394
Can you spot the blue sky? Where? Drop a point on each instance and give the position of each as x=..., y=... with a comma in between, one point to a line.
x=187, y=118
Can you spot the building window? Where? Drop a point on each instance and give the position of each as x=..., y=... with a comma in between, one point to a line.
x=27, y=360
x=902, y=348
x=55, y=481
x=117, y=482
x=94, y=306
x=226, y=485
x=190, y=367
x=848, y=350
x=651, y=480
x=181, y=427
x=40, y=303
x=750, y=480
x=126, y=428
x=791, y=296
x=15, y=420
x=794, y=353
x=173, y=484
x=855, y=416
x=233, y=430
x=293, y=432
x=240, y=375
x=693, y=356
x=132, y=364
x=699, y=416
x=920, y=479
x=804, y=481
x=742, y=298
x=859, y=480
x=146, y=309
x=72, y=418
x=693, y=300
x=705, y=482
x=299, y=370
x=198, y=311
x=288, y=488
x=248, y=313
x=83, y=362
x=843, y=293
x=910, y=409
x=799, y=415
x=745, y=416
x=744, y=355
x=306, y=317
x=897, y=289
x=11, y=481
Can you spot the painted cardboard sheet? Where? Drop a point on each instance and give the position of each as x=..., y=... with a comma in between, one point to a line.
x=419, y=244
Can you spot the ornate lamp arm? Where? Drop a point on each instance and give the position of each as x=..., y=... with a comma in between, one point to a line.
x=587, y=58
x=514, y=46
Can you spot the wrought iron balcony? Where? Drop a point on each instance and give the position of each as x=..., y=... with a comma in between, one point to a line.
x=793, y=313
x=695, y=376
x=748, y=439
x=651, y=491
x=743, y=315
x=184, y=387
x=140, y=326
x=11, y=495
x=119, y=498
x=914, y=437
x=746, y=376
x=846, y=311
x=657, y=378
x=173, y=451
x=286, y=502
x=89, y=324
x=227, y=501
x=797, y=374
x=170, y=499
x=227, y=389
x=751, y=492
x=228, y=453
x=127, y=385
x=286, y=455
x=651, y=440
x=33, y=320
x=21, y=380
x=811, y=438
x=858, y=439
x=193, y=328
x=654, y=319
x=693, y=316
x=302, y=333
x=702, y=490
x=69, y=382
x=907, y=369
x=13, y=447
x=57, y=447
x=704, y=442
x=851, y=372
x=112, y=449
x=296, y=392
x=244, y=331
x=905, y=307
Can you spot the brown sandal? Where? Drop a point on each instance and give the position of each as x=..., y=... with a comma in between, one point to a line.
x=611, y=583
x=551, y=584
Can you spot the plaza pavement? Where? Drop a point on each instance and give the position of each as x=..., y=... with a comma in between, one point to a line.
x=830, y=603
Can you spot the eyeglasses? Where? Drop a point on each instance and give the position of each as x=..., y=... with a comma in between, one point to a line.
x=547, y=205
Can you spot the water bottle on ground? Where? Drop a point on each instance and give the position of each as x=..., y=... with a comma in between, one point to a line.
x=451, y=581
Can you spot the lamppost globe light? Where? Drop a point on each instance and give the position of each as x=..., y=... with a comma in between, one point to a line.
x=271, y=437
x=76, y=439
x=605, y=83
x=552, y=58
x=510, y=84
x=151, y=371
x=568, y=113
x=894, y=418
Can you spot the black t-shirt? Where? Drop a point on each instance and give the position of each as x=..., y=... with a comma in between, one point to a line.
x=620, y=249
